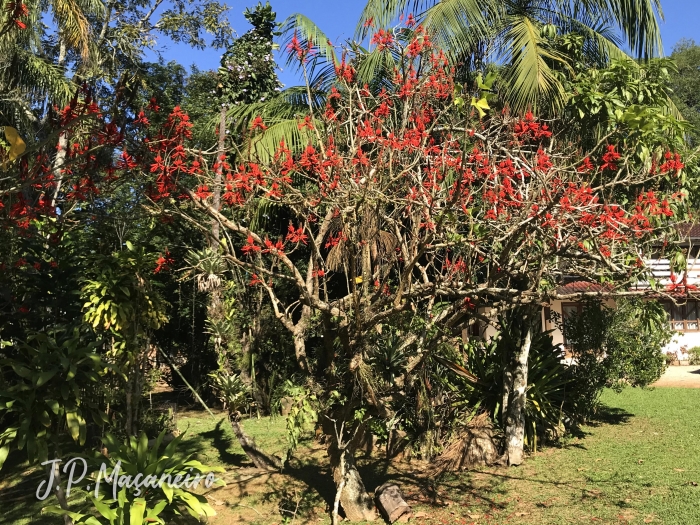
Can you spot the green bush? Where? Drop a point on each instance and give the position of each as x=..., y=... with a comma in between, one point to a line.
x=694, y=355
x=153, y=421
x=616, y=347
x=143, y=504
x=550, y=383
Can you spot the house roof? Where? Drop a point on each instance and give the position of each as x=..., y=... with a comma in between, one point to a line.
x=578, y=287
x=689, y=230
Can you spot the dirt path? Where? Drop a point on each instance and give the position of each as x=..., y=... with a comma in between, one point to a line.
x=680, y=376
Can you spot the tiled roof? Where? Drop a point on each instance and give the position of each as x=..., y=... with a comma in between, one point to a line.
x=578, y=287
x=690, y=230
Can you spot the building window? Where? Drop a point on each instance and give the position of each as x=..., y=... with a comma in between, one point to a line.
x=569, y=310
x=683, y=317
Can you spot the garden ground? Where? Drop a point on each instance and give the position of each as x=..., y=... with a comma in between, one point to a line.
x=639, y=462
x=680, y=376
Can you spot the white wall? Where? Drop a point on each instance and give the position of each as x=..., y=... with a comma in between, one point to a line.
x=682, y=342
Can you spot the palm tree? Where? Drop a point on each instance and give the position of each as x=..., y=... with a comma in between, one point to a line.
x=31, y=63
x=518, y=34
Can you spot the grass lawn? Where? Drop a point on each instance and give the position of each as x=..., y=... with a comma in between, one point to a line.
x=640, y=463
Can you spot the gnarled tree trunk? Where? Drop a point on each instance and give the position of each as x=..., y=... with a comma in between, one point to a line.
x=259, y=458
x=351, y=494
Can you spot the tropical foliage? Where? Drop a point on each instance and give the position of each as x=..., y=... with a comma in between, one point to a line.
x=335, y=249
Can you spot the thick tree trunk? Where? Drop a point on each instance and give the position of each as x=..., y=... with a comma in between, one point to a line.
x=299, y=335
x=515, y=420
x=247, y=369
x=507, y=386
x=351, y=494
x=259, y=458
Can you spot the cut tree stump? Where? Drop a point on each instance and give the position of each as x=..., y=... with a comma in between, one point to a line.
x=391, y=504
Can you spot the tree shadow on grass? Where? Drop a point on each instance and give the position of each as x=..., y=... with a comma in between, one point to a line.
x=220, y=442
x=610, y=416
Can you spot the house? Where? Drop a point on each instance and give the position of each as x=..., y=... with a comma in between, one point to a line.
x=680, y=297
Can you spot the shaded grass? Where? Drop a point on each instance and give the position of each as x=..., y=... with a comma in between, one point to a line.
x=638, y=463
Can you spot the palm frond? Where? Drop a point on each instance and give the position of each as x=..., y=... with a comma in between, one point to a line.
x=71, y=18
x=638, y=22
x=382, y=13
x=460, y=25
x=309, y=35
x=376, y=67
x=266, y=143
x=529, y=80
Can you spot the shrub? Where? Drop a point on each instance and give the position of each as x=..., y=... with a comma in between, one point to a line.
x=153, y=421
x=550, y=383
x=694, y=355
x=153, y=505
x=615, y=347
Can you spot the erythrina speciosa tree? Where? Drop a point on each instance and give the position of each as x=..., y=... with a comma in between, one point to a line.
x=403, y=206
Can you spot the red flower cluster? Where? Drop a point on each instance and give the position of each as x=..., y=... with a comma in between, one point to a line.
x=610, y=158
x=383, y=39
x=258, y=124
x=250, y=248
x=18, y=10
x=164, y=262
x=672, y=163
x=296, y=235
x=529, y=128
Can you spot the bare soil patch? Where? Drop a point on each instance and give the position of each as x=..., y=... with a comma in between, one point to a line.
x=680, y=376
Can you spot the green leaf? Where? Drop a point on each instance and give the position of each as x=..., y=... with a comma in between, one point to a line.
x=104, y=509
x=192, y=502
x=168, y=491
x=21, y=371
x=44, y=377
x=480, y=106
x=44, y=418
x=73, y=425
x=153, y=513
x=142, y=449
x=138, y=508
x=4, y=451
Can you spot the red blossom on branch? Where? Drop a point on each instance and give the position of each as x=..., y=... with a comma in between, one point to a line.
x=258, y=124
x=164, y=262
x=610, y=158
x=296, y=235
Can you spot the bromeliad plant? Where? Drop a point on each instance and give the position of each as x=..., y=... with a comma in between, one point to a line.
x=138, y=483
x=549, y=394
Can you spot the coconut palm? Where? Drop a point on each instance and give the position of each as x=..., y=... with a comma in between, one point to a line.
x=519, y=33
x=29, y=69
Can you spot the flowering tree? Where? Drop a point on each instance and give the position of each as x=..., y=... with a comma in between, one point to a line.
x=403, y=206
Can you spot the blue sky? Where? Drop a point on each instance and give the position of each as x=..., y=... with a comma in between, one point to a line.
x=338, y=19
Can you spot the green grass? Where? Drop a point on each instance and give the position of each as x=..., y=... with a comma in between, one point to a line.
x=637, y=464
x=212, y=439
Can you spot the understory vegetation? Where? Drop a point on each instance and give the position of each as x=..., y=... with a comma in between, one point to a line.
x=634, y=462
